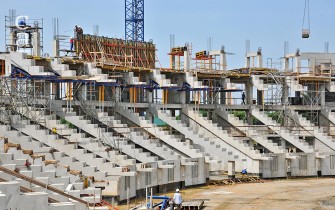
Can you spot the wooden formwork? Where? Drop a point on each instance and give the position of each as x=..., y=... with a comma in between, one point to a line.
x=113, y=51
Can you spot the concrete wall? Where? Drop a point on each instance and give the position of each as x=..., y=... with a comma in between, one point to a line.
x=328, y=165
x=298, y=167
x=274, y=168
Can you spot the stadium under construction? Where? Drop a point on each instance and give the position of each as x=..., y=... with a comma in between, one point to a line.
x=102, y=120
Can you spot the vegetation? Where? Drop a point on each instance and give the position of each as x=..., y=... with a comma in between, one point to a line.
x=64, y=121
x=276, y=116
x=243, y=116
x=240, y=114
x=203, y=112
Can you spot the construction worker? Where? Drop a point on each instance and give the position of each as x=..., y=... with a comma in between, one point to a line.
x=243, y=98
x=22, y=22
x=177, y=199
x=244, y=172
x=54, y=130
x=71, y=44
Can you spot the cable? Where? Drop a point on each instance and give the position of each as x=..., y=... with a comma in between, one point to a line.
x=308, y=16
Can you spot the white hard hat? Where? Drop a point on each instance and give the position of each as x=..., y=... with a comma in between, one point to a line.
x=177, y=190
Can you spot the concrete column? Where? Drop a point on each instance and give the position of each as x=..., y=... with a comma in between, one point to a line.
x=231, y=169
x=323, y=96
x=173, y=112
x=118, y=94
x=47, y=90
x=259, y=58
x=285, y=92
x=172, y=62
x=223, y=61
x=297, y=64
x=247, y=62
x=249, y=117
x=56, y=91
x=55, y=48
x=249, y=92
x=36, y=43
x=12, y=41
x=287, y=63
x=259, y=97
x=186, y=59
x=297, y=94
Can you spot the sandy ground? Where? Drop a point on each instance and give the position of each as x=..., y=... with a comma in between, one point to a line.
x=316, y=194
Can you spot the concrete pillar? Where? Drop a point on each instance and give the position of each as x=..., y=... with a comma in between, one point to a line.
x=58, y=90
x=186, y=59
x=259, y=97
x=55, y=49
x=221, y=96
x=247, y=63
x=223, y=61
x=231, y=169
x=297, y=94
x=36, y=43
x=285, y=93
x=287, y=64
x=173, y=112
x=172, y=61
x=12, y=41
x=323, y=96
x=249, y=92
x=118, y=94
x=47, y=89
x=249, y=117
x=259, y=58
x=297, y=63
x=182, y=97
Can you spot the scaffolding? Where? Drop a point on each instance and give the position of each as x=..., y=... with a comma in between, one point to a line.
x=24, y=34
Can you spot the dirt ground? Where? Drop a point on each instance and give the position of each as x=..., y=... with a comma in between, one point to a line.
x=316, y=194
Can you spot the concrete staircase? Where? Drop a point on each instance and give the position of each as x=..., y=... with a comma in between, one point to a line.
x=161, y=79
x=86, y=143
x=50, y=168
x=258, y=82
x=126, y=146
x=173, y=140
x=250, y=132
x=90, y=157
x=282, y=131
x=20, y=60
x=219, y=154
x=37, y=147
x=140, y=138
x=235, y=144
x=293, y=84
x=132, y=80
x=96, y=73
x=316, y=131
x=62, y=69
x=193, y=81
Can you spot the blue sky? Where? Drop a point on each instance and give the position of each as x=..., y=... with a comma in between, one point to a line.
x=266, y=23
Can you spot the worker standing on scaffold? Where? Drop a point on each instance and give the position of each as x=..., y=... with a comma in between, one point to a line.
x=71, y=44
